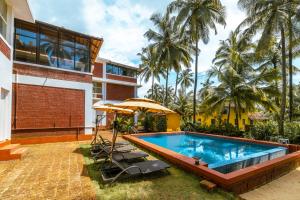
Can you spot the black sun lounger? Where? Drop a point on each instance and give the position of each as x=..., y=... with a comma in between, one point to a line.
x=131, y=169
x=119, y=156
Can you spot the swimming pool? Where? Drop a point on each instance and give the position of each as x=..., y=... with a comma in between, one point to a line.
x=220, y=154
x=235, y=164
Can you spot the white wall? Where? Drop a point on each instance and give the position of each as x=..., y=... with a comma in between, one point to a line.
x=6, y=82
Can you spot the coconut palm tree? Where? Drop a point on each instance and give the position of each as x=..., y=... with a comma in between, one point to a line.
x=148, y=67
x=183, y=104
x=197, y=18
x=185, y=79
x=172, y=50
x=241, y=86
x=270, y=17
x=293, y=18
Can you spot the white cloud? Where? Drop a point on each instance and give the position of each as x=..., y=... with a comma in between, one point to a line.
x=122, y=25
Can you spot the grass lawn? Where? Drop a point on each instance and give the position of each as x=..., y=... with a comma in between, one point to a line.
x=178, y=184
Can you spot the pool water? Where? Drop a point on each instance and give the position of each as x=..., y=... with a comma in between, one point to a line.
x=223, y=155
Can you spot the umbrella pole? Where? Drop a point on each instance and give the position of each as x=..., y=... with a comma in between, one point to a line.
x=115, y=132
x=94, y=141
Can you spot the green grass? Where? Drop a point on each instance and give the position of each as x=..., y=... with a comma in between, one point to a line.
x=178, y=185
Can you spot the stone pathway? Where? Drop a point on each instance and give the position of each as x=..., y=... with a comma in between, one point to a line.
x=286, y=187
x=47, y=171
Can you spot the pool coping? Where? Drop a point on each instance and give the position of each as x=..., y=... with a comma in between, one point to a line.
x=238, y=181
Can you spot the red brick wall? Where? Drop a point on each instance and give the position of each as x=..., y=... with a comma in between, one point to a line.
x=4, y=48
x=98, y=70
x=51, y=73
x=119, y=92
x=121, y=78
x=39, y=107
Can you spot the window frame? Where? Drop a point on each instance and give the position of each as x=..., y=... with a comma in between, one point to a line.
x=4, y=19
x=58, y=42
x=119, y=68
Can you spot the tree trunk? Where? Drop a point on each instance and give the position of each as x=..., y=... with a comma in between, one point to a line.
x=167, y=79
x=291, y=98
x=176, y=84
x=196, y=81
x=283, y=69
x=152, y=86
x=228, y=115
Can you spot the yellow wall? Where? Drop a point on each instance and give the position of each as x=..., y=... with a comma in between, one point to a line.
x=206, y=119
x=173, y=122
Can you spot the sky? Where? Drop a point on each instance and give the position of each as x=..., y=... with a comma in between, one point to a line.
x=122, y=24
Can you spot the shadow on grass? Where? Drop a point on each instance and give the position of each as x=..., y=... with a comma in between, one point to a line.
x=176, y=184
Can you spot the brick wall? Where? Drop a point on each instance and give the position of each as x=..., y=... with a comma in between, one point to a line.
x=39, y=107
x=26, y=69
x=98, y=70
x=121, y=78
x=119, y=92
x=4, y=48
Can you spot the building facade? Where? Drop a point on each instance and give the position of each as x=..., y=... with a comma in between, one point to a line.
x=52, y=81
x=9, y=10
x=112, y=83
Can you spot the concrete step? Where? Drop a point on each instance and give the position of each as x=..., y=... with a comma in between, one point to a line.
x=11, y=152
x=19, y=152
x=6, y=150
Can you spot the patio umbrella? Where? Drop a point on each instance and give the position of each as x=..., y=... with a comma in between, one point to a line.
x=110, y=109
x=138, y=104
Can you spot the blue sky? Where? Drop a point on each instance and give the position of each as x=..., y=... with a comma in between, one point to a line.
x=122, y=24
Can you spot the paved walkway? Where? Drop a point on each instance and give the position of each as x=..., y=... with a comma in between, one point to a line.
x=47, y=171
x=285, y=188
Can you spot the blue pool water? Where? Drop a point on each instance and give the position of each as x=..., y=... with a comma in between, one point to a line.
x=223, y=155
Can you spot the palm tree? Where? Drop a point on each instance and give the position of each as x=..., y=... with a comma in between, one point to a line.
x=293, y=15
x=172, y=50
x=185, y=79
x=149, y=68
x=197, y=18
x=241, y=86
x=271, y=17
x=183, y=104
x=156, y=93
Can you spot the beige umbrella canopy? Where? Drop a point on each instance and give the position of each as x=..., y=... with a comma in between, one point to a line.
x=109, y=108
x=137, y=104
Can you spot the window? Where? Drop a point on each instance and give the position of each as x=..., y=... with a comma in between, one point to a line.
x=244, y=122
x=3, y=18
x=122, y=71
x=25, y=43
x=97, y=89
x=45, y=45
x=48, y=47
x=236, y=122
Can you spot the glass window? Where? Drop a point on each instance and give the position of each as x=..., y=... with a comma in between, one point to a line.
x=97, y=87
x=25, y=49
x=81, y=60
x=109, y=69
x=26, y=30
x=3, y=18
x=115, y=70
x=67, y=40
x=49, y=35
x=82, y=43
x=66, y=57
x=48, y=53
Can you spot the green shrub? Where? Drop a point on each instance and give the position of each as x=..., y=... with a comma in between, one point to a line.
x=292, y=132
x=161, y=123
x=148, y=122
x=264, y=130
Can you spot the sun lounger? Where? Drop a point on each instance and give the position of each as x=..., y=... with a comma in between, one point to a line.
x=131, y=169
x=103, y=149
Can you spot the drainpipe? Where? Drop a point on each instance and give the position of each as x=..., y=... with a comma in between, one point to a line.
x=15, y=97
